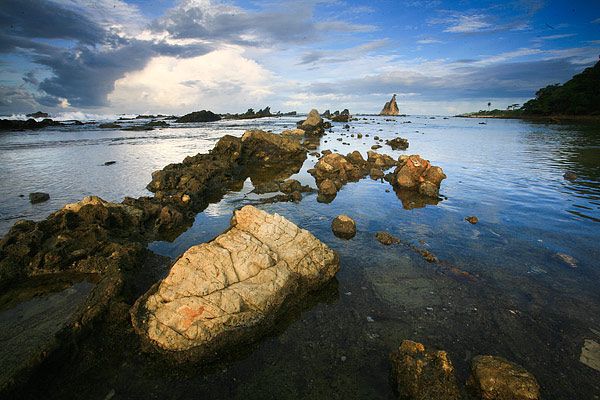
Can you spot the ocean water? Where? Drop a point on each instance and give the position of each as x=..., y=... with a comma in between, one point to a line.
x=502, y=287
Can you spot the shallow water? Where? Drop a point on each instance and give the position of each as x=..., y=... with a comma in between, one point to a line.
x=501, y=287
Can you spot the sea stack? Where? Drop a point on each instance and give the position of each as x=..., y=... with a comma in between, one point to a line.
x=390, y=108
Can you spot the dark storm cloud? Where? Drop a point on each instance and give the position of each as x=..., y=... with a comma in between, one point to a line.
x=84, y=72
x=507, y=80
x=46, y=19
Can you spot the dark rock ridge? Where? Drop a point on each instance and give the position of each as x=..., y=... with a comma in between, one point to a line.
x=38, y=114
x=30, y=124
x=251, y=114
x=109, y=125
x=390, y=108
x=108, y=240
x=199, y=116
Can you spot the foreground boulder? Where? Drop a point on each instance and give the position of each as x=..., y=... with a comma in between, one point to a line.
x=423, y=375
x=416, y=173
x=343, y=227
x=494, y=378
x=390, y=107
x=226, y=291
x=199, y=116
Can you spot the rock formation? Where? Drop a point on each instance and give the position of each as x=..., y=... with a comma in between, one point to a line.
x=415, y=173
x=199, y=116
x=494, y=378
x=423, y=375
x=313, y=124
x=30, y=124
x=397, y=143
x=225, y=291
x=390, y=108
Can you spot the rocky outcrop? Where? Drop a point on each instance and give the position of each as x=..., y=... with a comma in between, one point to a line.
x=494, y=378
x=30, y=124
x=251, y=114
x=390, y=108
x=228, y=290
x=109, y=125
x=423, y=375
x=199, y=116
x=344, y=116
x=397, y=143
x=313, y=124
x=415, y=173
x=38, y=114
x=260, y=147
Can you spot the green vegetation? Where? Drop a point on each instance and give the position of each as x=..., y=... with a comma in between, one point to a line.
x=580, y=96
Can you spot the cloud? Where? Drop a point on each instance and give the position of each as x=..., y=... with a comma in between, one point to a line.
x=467, y=23
x=223, y=80
x=290, y=22
x=428, y=41
x=596, y=21
x=344, y=55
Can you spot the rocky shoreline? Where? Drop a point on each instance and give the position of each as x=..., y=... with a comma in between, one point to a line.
x=105, y=243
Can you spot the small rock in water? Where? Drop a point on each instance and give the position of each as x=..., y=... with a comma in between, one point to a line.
x=38, y=197
x=110, y=162
x=472, y=219
x=343, y=358
x=590, y=354
x=370, y=319
x=570, y=176
x=496, y=378
x=343, y=227
x=386, y=239
x=421, y=374
x=567, y=259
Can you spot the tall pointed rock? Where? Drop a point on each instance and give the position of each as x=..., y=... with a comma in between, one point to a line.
x=390, y=108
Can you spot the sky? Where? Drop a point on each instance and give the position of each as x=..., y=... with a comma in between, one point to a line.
x=177, y=56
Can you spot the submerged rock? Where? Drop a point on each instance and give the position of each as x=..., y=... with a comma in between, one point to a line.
x=230, y=289
x=199, y=116
x=386, y=239
x=472, y=219
x=38, y=197
x=390, y=107
x=495, y=378
x=343, y=227
x=570, y=176
x=423, y=375
x=30, y=124
x=109, y=125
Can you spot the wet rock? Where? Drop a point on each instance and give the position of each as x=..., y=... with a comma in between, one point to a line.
x=472, y=219
x=157, y=124
x=267, y=148
x=199, y=116
x=590, y=354
x=382, y=161
x=418, y=174
x=341, y=118
x=109, y=163
x=494, y=378
x=313, y=124
x=109, y=125
x=293, y=132
x=397, y=143
x=386, y=239
x=343, y=227
x=570, y=176
x=231, y=289
x=376, y=173
x=423, y=375
x=390, y=107
x=375, y=147
x=38, y=197
x=293, y=185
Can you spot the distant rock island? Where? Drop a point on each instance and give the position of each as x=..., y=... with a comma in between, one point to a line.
x=579, y=97
x=390, y=108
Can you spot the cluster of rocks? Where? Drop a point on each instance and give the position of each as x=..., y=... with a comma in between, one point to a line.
x=416, y=173
x=419, y=374
x=337, y=116
x=251, y=114
x=334, y=170
x=30, y=124
x=231, y=288
x=109, y=240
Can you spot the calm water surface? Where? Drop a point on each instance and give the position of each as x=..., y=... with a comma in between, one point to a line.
x=501, y=287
